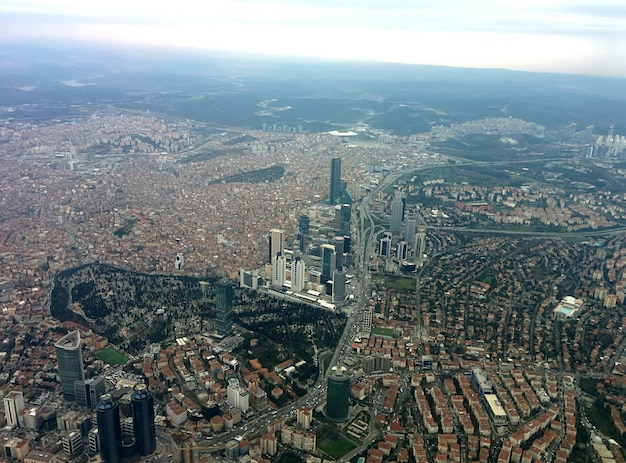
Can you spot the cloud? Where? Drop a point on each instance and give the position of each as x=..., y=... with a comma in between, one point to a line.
x=569, y=35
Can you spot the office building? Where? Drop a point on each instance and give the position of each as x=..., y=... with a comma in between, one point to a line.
x=335, y=181
x=397, y=212
x=249, y=279
x=338, y=394
x=109, y=429
x=303, y=231
x=13, y=406
x=338, y=242
x=88, y=393
x=409, y=230
x=343, y=214
x=72, y=443
x=70, y=363
x=279, y=268
x=298, y=275
x=339, y=285
x=224, y=307
x=402, y=250
x=237, y=396
x=420, y=244
x=329, y=262
x=366, y=324
x=276, y=243
x=143, y=420
x=93, y=440
x=384, y=246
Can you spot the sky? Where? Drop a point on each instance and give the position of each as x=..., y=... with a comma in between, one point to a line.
x=572, y=36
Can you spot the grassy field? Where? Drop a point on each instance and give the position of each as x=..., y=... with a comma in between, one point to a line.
x=394, y=282
x=111, y=356
x=333, y=444
x=388, y=332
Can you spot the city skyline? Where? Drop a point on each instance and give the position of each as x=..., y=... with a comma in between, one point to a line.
x=552, y=36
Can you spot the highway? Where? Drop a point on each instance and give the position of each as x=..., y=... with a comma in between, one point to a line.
x=364, y=249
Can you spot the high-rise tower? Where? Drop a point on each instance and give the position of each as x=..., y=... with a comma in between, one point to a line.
x=420, y=244
x=277, y=243
x=143, y=420
x=397, y=208
x=409, y=230
x=70, y=363
x=329, y=262
x=338, y=394
x=279, y=267
x=108, y=418
x=339, y=285
x=343, y=213
x=298, y=275
x=335, y=181
x=224, y=307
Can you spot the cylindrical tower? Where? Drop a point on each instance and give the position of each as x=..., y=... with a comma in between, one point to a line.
x=143, y=418
x=108, y=417
x=338, y=394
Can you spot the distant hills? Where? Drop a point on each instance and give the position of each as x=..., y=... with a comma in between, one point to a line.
x=222, y=91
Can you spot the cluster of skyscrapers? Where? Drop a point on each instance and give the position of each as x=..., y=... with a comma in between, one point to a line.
x=110, y=437
x=403, y=240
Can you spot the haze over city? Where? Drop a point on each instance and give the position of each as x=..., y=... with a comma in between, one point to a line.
x=585, y=37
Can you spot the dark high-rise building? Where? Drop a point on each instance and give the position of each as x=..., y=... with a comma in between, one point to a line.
x=329, y=262
x=89, y=392
x=303, y=231
x=338, y=394
x=339, y=285
x=70, y=363
x=303, y=224
x=343, y=213
x=276, y=243
x=336, y=189
x=409, y=230
x=143, y=420
x=397, y=208
x=109, y=430
x=224, y=307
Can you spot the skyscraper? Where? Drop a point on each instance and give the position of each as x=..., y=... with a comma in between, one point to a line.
x=224, y=307
x=303, y=231
x=343, y=213
x=143, y=420
x=70, y=363
x=109, y=430
x=335, y=181
x=420, y=244
x=277, y=243
x=339, y=285
x=397, y=208
x=338, y=394
x=298, y=275
x=329, y=262
x=279, y=266
x=409, y=230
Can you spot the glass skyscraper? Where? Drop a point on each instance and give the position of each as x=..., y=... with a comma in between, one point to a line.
x=335, y=181
x=108, y=417
x=143, y=420
x=338, y=394
x=70, y=363
x=224, y=307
